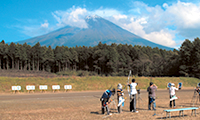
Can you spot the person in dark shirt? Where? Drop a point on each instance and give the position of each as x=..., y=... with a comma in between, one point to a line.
x=152, y=95
x=105, y=100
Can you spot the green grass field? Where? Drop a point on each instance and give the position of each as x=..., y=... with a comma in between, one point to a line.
x=90, y=82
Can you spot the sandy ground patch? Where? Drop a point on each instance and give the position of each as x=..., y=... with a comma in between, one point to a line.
x=86, y=106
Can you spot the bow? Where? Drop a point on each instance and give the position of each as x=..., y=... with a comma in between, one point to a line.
x=128, y=82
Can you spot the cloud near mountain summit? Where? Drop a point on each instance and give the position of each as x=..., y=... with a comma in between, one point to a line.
x=159, y=24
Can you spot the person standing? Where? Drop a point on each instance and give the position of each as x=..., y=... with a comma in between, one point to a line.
x=152, y=95
x=105, y=100
x=198, y=91
x=133, y=96
x=120, y=94
x=172, y=94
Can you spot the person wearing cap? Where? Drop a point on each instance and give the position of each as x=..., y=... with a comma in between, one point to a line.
x=105, y=100
x=172, y=94
x=133, y=96
x=120, y=94
x=152, y=95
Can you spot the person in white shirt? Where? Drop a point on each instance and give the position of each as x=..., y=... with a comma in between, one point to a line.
x=133, y=96
x=172, y=94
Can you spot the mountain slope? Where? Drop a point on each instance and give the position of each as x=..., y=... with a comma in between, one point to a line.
x=99, y=30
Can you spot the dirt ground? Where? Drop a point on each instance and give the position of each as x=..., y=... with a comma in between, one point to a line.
x=86, y=106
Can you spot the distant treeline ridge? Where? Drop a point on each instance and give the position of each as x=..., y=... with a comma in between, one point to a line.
x=103, y=59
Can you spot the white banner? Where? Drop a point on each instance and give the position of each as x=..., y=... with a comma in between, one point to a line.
x=30, y=87
x=16, y=87
x=55, y=87
x=67, y=87
x=43, y=87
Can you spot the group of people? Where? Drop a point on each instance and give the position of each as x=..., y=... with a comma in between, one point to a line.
x=105, y=99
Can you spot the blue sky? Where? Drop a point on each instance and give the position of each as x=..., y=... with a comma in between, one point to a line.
x=166, y=22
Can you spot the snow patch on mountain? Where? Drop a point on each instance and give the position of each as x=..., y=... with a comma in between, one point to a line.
x=92, y=17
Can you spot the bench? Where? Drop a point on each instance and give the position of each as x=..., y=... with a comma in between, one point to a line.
x=180, y=111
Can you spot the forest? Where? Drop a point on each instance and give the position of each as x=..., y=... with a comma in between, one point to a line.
x=103, y=59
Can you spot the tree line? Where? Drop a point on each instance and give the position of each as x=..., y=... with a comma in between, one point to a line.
x=103, y=59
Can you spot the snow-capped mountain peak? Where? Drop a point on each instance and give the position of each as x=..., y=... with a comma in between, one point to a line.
x=92, y=17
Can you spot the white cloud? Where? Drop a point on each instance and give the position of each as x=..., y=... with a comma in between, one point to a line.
x=163, y=37
x=134, y=26
x=117, y=17
x=185, y=15
x=165, y=5
x=57, y=18
x=45, y=25
x=72, y=17
x=36, y=30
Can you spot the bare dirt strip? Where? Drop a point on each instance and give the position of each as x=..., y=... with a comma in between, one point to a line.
x=86, y=106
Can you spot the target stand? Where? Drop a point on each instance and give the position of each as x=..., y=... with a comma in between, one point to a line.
x=138, y=97
x=195, y=97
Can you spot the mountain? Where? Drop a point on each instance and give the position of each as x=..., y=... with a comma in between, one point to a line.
x=99, y=30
